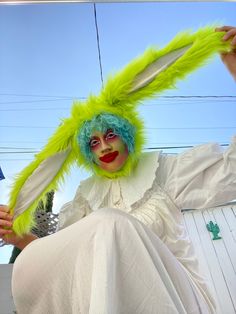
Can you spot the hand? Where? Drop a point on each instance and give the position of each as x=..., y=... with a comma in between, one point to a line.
x=6, y=221
x=6, y=232
x=229, y=58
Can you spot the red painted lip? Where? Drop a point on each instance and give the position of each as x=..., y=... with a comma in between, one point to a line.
x=109, y=157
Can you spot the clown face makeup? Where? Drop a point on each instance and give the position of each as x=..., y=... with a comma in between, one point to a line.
x=129, y=134
x=109, y=151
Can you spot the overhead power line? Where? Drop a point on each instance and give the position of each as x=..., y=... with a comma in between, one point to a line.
x=147, y=148
x=21, y=152
x=98, y=41
x=196, y=128
x=150, y=148
x=177, y=147
x=161, y=101
x=26, y=127
x=35, y=109
x=34, y=142
x=32, y=101
x=15, y=159
x=154, y=128
x=153, y=143
x=9, y=147
x=82, y=97
x=199, y=96
x=43, y=95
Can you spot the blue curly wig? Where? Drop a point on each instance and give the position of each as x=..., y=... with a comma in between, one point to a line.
x=102, y=123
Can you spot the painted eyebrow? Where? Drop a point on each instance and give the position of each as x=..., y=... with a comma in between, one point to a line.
x=105, y=134
x=110, y=130
x=94, y=137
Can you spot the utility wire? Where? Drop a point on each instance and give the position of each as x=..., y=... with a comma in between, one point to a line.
x=169, y=128
x=152, y=144
x=177, y=147
x=150, y=148
x=83, y=97
x=26, y=127
x=196, y=128
x=32, y=101
x=7, y=147
x=35, y=142
x=160, y=102
x=35, y=109
x=21, y=152
x=199, y=96
x=37, y=95
x=69, y=96
x=98, y=41
x=15, y=159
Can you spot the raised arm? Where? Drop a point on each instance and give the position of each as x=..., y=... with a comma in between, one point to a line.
x=202, y=177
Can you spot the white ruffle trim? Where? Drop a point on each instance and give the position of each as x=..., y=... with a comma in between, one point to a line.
x=122, y=192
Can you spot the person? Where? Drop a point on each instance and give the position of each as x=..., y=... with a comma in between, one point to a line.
x=121, y=246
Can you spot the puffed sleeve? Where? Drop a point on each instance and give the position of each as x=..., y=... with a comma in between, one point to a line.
x=73, y=211
x=202, y=177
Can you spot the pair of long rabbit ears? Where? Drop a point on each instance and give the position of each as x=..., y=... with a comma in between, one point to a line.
x=146, y=76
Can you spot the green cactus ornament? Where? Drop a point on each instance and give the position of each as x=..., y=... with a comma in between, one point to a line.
x=214, y=228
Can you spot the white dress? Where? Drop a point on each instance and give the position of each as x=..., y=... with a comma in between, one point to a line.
x=130, y=253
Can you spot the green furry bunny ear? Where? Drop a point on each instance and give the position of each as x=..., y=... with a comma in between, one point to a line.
x=159, y=69
x=143, y=78
x=40, y=176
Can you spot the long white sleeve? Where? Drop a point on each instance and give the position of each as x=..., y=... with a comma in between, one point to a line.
x=202, y=177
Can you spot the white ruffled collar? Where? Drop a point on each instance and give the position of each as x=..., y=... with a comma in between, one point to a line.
x=121, y=192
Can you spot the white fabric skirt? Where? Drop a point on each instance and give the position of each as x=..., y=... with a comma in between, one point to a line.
x=106, y=263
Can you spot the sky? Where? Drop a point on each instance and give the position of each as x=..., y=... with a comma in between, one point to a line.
x=49, y=57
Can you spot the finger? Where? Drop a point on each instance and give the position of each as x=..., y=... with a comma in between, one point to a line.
x=5, y=223
x=4, y=208
x=5, y=232
x=233, y=42
x=224, y=28
x=6, y=216
x=230, y=34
